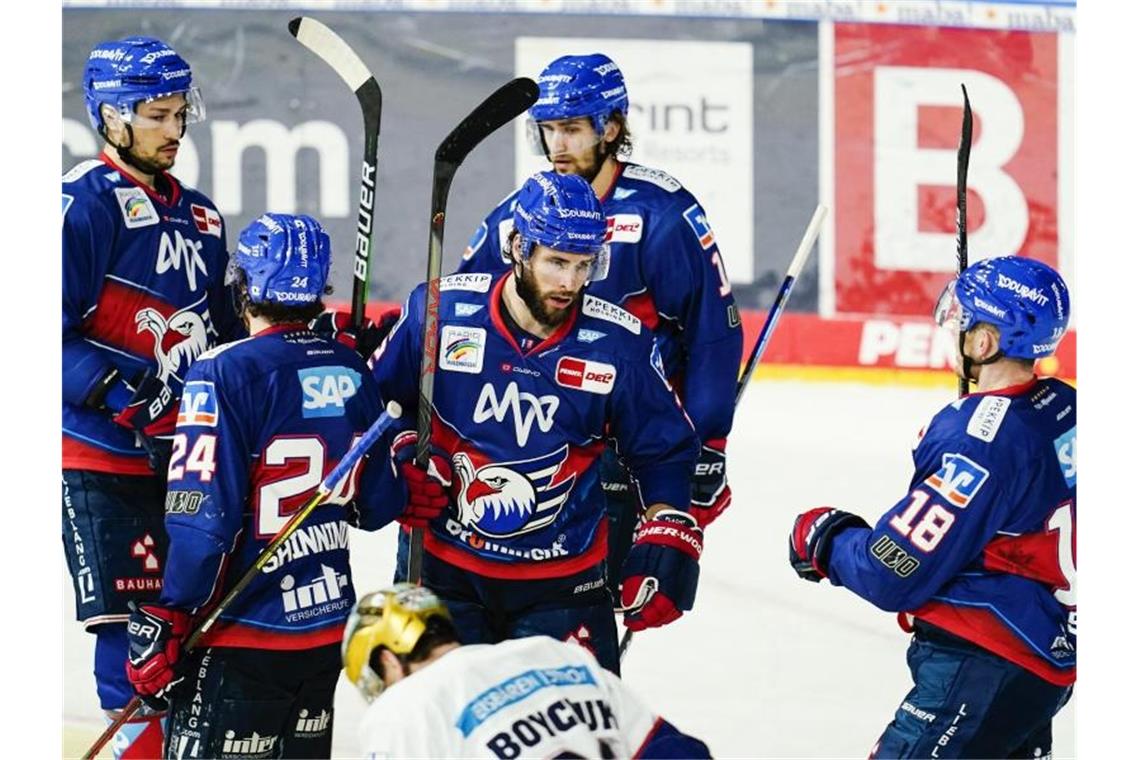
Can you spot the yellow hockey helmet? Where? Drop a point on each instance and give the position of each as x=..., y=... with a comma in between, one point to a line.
x=394, y=618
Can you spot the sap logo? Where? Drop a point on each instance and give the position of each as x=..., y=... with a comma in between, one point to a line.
x=623, y=228
x=539, y=409
x=178, y=254
x=583, y=375
x=621, y=193
x=199, y=404
x=695, y=216
x=476, y=242
x=589, y=336
x=136, y=208
x=327, y=390
x=253, y=745
x=1066, y=448
x=467, y=309
x=959, y=480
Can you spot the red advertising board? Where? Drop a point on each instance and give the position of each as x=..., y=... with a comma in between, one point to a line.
x=897, y=116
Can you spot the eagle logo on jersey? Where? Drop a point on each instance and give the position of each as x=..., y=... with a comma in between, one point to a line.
x=178, y=340
x=504, y=499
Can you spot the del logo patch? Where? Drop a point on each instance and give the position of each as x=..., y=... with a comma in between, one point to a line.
x=623, y=228
x=137, y=209
x=584, y=375
x=461, y=348
x=959, y=480
x=695, y=216
x=199, y=404
x=208, y=221
x=326, y=390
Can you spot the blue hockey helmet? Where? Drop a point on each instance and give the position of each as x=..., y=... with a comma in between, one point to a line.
x=576, y=86
x=559, y=211
x=1025, y=299
x=123, y=73
x=285, y=259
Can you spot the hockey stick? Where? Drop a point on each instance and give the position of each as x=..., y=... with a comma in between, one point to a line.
x=964, y=145
x=334, y=51
x=504, y=104
x=782, y=295
x=326, y=487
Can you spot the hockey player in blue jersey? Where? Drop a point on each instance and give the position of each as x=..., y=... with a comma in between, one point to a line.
x=661, y=264
x=980, y=553
x=144, y=259
x=532, y=376
x=262, y=421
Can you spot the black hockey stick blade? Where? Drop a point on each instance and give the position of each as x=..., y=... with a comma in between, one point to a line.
x=964, y=145
x=501, y=106
x=329, y=47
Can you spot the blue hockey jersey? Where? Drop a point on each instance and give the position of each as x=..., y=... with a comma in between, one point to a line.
x=663, y=266
x=262, y=422
x=142, y=288
x=984, y=545
x=524, y=429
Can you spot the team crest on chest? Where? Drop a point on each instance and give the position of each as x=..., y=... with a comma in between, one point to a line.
x=179, y=340
x=505, y=499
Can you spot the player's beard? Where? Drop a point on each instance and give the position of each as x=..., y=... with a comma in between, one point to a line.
x=527, y=287
x=152, y=165
x=589, y=170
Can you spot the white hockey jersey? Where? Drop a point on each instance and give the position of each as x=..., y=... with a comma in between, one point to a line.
x=531, y=697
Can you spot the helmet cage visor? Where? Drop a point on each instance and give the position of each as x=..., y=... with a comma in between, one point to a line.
x=192, y=112
x=948, y=309
x=573, y=135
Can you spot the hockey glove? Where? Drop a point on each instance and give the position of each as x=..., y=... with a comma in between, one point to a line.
x=809, y=545
x=710, y=492
x=152, y=410
x=154, y=636
x=427, y=490
x=659, y=578
x=364, y=340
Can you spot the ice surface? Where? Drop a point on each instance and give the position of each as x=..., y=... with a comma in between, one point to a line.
x=766, y=665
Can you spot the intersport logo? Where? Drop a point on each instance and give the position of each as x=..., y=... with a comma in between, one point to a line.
x=538, y=409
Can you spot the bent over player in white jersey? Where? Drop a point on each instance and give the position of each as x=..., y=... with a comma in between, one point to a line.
x=535, y=697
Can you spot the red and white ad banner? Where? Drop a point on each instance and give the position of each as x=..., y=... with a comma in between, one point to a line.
x=895, y=119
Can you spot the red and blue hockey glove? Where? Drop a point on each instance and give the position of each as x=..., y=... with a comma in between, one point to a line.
x=659, y=577
x=809, y=545
x=152, y=410
x=710, y=493
x=154, y=636
x=427, y=490
x=365, y=339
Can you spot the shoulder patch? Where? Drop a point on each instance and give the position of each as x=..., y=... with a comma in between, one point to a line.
x=663, y=180
x=81, y=168
x=480, y=283
x=987, y=418
x=136, y=207
x=959, y=479
x=596, y=307
x=699, y=223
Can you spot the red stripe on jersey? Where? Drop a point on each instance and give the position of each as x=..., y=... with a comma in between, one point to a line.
x=226, y=634
x=500, y=325
x=1033, y=556
x=984, y=629
x=605, y=196
x=642, y=307
x=175, y=188
x=122, y=320
x=506, y=570
x=652, y=732
x=78, y=455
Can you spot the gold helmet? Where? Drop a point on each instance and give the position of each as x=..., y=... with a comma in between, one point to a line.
x=394, y=618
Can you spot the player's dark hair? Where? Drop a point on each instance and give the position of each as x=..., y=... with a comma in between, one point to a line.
x=622, y=145
x=438, y=631
x=274, y=313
